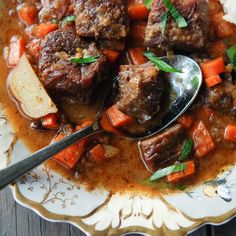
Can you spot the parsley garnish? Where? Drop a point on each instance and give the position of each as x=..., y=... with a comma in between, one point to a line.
x=186, y=149
x=163, y=22
x=68, y=19
x=231, y=53
x=159, y=63
x=167, y=171
x=84, y=60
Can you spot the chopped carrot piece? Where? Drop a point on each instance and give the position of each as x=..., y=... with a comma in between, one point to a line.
x=111, y=55
x=213, y=80
x=214, y=67
x=222, y=28
x=230, y=133
x=28, y=14
x=203, y=142
x=70, y=156
x=97, y=153
x=137, y=11
x=17, y=48
x=50, y=121
x=137, y=32
x=41, y=30
x=118, y=118
x=106, y=125
x=186, y=121
x=136, y=56
x=178, y=176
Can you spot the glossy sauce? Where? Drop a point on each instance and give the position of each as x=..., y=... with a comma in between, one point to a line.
x=124, y=173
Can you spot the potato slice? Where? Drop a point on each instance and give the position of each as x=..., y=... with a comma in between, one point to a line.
x=30, y=94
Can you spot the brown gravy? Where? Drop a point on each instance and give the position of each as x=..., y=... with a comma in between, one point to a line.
x=124, y=173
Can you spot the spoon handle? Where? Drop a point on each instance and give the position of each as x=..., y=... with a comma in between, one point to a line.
x=15, y=171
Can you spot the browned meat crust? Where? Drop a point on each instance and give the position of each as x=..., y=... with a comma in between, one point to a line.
x=140, y=91
x=64, y=78
x=101, y=18
x=164, y=148
x=194, y=36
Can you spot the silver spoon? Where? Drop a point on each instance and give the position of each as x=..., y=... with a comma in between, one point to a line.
x=183, y=89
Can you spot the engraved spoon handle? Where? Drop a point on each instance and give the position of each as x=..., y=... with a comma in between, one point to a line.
x=15, y=171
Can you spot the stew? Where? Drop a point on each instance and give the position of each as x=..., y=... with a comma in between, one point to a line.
x=62, y=54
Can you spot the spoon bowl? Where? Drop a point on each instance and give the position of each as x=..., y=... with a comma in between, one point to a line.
x=181, y=91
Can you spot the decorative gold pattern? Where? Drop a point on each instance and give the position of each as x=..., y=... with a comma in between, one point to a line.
x=100, y=212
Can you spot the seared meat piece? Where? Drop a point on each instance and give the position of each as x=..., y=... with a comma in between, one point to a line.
x=61, y=77
x=140, y=91
x=194, y=36
x=162, y=149
x=53, y=9
x=101, y=18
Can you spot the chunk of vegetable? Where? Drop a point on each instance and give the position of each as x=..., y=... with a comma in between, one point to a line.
x=178, y=176
x=70, y=156
x=29, y=92
x=136, y=56
x=222, y=28
x=97, y=153
x=111, y=55
x=137, y=10
x=41, y=30
x=186, y=149
x=137, y=32
x=203, y=142
x=106, y=125
x=212, y=68
x=213, y=80
x=118, y=118
x=50, y=121
x=186, y=121
x=111, y=151
x=230, y=133
x=28, y=14
x=17, y=48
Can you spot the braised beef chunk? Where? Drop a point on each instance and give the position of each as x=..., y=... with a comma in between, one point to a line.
x=140, y=91
x=53, y=9
x=101, y=18
x=194, y=36
x=61, y=77
x=164, y=148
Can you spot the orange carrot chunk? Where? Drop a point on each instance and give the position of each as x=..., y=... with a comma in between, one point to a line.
x=41, y=30
x=137, y=11
x=17, y=48
x=97, y=153
x=137, y=32
x=136, y=56
x=28, y=14
x=118, y=118
x=230, y=133
x=213, y=80
x=50, y=121
x=111, y=55
x=178, y=176
x=212, y=68
x=70, y=156
x=203, y=142
x=222, y=28
x=186, y=121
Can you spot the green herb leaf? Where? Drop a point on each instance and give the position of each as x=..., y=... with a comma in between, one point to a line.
x=195, y=82
x=68, y=19
x=163, y=22
x=148, y=3
x=181, y=22
x=159, y=63
x=54, y=21
x=186, y=149
x=231, y=53
x=168, y=170
x=84, y=60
